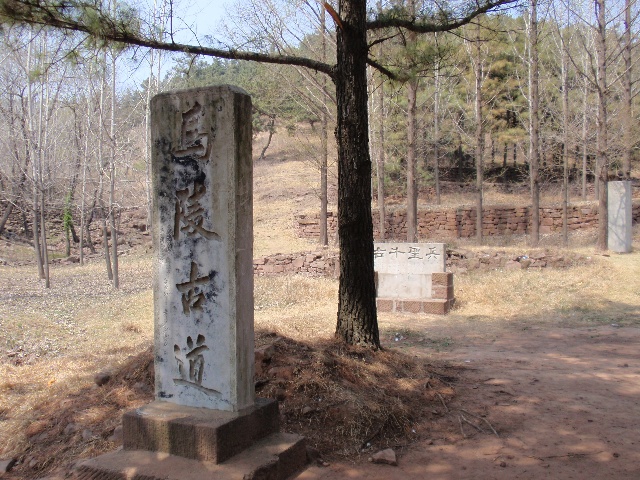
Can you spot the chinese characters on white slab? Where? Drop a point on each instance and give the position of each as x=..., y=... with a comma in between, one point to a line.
x=203, y=239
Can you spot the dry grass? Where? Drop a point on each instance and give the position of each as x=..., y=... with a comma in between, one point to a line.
x=349, y=400
x=285, y=183
x=53, y=341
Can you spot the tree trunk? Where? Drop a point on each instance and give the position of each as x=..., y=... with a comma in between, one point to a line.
x=602, y=162
x=5, y=216
x=31, y=151
x=565, y=144
x=479, y=134
x=101, y=167
x=585, y=95
x=534, y=123
x=357, y=322
x=324, y=153
x=436, y=132
x=113, y=213
x=628, y=99
x=412, y=187
x=412, y=184
x=380, y=159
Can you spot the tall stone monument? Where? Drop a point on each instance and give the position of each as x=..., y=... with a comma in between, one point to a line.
x=205, y=421
x=620, y=215
x=203, y=242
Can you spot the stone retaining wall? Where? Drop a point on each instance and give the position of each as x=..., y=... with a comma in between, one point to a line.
x=325, y=263
x=461, y=222
x=316, y=264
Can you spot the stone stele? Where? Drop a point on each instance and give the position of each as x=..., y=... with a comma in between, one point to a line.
x=205, y=422
x=404, y=269
x=203, y=242
x=620, y=232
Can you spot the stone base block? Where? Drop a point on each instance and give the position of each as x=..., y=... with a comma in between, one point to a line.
x=431, y=306
x=198, y=433
x=276, y=457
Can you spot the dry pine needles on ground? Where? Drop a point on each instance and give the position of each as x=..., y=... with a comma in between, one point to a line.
x=345, y=400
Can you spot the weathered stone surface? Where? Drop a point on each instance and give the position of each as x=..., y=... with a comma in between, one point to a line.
x=620, y=232
x=276, y=457
x=404, y=269
x=198, y=433
x=387, y=457
x=203, y=240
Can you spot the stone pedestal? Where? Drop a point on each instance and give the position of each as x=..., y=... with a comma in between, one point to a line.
x=205, y=422
x=620, y=232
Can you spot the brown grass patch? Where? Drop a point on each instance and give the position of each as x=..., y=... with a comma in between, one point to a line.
x=77, y=423
x=349, y=400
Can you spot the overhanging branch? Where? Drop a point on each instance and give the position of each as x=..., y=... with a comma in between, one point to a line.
x=81, y=17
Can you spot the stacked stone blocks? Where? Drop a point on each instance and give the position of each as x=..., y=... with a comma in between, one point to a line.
x=461, y=222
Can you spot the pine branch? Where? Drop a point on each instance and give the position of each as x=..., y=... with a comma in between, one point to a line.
x=91, y=19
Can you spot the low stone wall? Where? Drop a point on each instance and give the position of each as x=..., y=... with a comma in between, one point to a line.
x=325, y=263
x=461, y=222
x=317, y=264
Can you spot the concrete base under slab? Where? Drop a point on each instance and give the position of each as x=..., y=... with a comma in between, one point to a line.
x=276, y=457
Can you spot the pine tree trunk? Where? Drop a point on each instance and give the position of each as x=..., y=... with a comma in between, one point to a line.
x=357, y=322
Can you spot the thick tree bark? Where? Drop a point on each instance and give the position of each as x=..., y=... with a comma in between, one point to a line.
x=357, y=322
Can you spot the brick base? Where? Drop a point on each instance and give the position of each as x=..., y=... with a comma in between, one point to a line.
x=431, y=306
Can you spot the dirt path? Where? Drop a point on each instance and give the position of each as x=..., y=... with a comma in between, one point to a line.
x=565, y=401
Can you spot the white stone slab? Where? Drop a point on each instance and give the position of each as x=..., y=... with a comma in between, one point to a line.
x=203, y=240
x=404, y=269
x=620, y=236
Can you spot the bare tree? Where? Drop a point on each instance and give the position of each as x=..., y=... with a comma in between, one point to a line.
x=357, y=319
x=534, y=122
